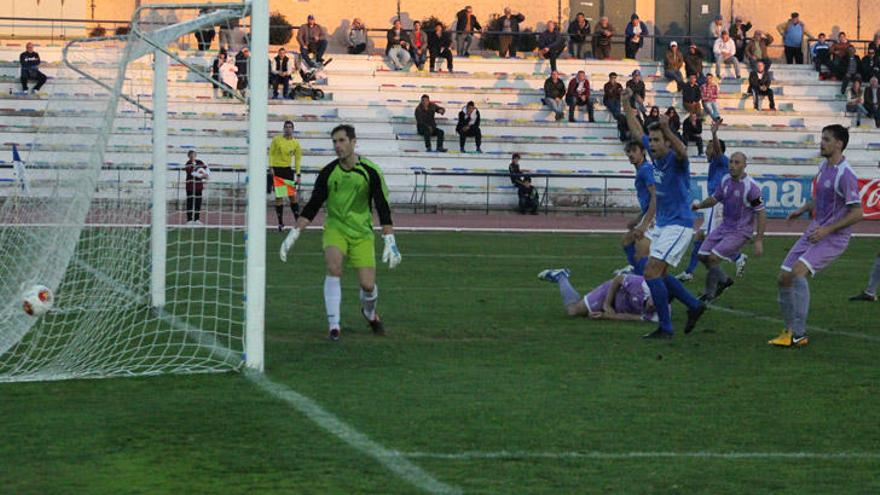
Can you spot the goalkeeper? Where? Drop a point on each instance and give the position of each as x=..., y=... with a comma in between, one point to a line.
x=349, y=185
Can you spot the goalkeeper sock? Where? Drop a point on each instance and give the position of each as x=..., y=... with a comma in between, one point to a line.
x=332, y=299
x=279, y=212
x=294, y=208
x=368, y=302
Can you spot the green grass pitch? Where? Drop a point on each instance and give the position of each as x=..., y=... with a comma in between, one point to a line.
x=480, y=359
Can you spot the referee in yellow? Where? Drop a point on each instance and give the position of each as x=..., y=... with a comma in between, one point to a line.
x=282, y=149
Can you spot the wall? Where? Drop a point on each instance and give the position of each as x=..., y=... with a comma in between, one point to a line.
x=70, y=9
x=766, y=15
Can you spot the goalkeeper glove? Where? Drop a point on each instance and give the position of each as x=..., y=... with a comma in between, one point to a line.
x=291, y=238
x=391, y=254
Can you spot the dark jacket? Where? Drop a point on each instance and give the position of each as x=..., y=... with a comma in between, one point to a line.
x=693, y=62
x=739, y=39
x=280, y=65
x=599, y=38
x=194, y=184
x=629, y=32
x=514, y=23
x=577, y=34
x=673, y=61
x=393, y=40
x=552, y=40
x=755, y=81
x=638, y=88
x=462, y=120
x=461, y=21
x=870, y=67
x=572, y=89
x=690, y=94
x=29, y=61
x=554, y=90
x=425, y=118
x=241, y=63
x=437, y=44
x=870, y=101
x=689, y=129
x=611, y=92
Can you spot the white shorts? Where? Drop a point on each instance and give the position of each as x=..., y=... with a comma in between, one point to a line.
x=670, y=243
x=652, y=233
x=712, y=217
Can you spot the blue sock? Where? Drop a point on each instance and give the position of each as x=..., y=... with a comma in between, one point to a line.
x=661, y=303
x=630, y=250
x=677, y=291
x=692, y=264
x=639, y=267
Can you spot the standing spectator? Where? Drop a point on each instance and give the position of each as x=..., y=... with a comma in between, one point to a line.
x=870, y=65
x=635, y=32
x=672, y=65
x=229, y=35
x=611, y=96
x=205, y=35
x=554, y=94
x=426, y=125
x=872, y=100
x=637, y=86
x=602, y=39
x=759, y=85
x=875, y=43
x=692, y=95
x=716, y=27
x=758, y=50
x=508, y=26
x=312, y=38
x=692, y=131
x=196, y=175
x=439, y=43
x=469, y=126
x=693, y=63
x=215, y=72
x=856, y=102
x=418, y=47
x=30, y=61
x=466, y=24
x=674, y=122
x=283, y=150
x=739, y=32
x=242, y=60
x=848, y=68
x=397, y=47
x=709, y=92
x=578, y=95
x=551, y=44
x=793, y=32
x=281, y=71
x=526, y=192
x=821, y=53
x=357, y=37
x=725, y=53
x=228, y=72
x=578, y=31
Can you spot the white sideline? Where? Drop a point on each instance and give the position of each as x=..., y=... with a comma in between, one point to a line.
x=504, y=454
x=811, y=328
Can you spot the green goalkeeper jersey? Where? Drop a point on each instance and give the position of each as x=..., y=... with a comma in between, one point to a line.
x=349, y=196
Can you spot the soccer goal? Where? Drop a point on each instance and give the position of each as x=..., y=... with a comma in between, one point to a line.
x=97, y=210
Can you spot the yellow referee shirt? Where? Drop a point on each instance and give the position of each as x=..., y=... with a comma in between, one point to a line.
x=280, y=151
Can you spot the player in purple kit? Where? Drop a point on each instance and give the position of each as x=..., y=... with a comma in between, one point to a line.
x=740, y=197
x=636, y=242
x=625, y=297
x=870, y=292
x=836, y=208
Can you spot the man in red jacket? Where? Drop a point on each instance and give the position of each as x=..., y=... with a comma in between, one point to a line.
x=578, y=95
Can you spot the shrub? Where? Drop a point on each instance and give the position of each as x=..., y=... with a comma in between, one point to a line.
x=122, y=30
x=280, y=30
x=98, y=31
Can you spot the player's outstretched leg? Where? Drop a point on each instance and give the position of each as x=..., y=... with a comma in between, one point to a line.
x=695, y=307
x=870, y=292
x=570, y=296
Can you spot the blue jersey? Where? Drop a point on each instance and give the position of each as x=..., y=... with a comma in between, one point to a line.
x=718, y=168
x=644, y=180
x=672, y=178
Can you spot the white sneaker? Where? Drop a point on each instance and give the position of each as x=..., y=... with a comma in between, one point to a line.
x=197, y=222
x=741, y=265
x=685, y=277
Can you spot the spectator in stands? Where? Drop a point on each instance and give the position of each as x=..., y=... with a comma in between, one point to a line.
x=440, y=46
x=228, y=75
x=674, y=122
x=526, y=192
x=692, y=131
x=312, y=39
x=418, y=47
x=242, y=60
x=469, y=126
x=602, y=39
x=709, y=92
x=872, y=100
x=578, y=31
x=875, y=43
x=725, y=53
x=759, y=85
x=821, y=53
x=196, y=175
x=554, y=94
x=870, y=65
x=551, y=44
x=716, y=27
x=635, y=32
x=229, y=34
x=793, y=33
x=739, y=32
x=693, y=63
x=855, y=103
x=611, y=96
x=692, y=95
x=578, y=95
x=30, y=63
x=758, y=50
x=281, y=71
x=215, y=72
x=637, y=86
x=205, y=35
x=838, y=49
x=672, y=65
x=465, y=26
x=397, y=47
x=357, y=37
x=653, y=116
x=508, y=26
x=848, y=68
x=426, y=125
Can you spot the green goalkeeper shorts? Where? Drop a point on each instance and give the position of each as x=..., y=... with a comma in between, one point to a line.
x=359, y=252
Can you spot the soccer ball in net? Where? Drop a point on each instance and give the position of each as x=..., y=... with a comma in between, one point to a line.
x=38, y=300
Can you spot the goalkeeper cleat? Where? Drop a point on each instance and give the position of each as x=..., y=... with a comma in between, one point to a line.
x=334, y=334
x=864, y=296
x=741, y=265
x=375, y=324
x=554, y=274
x=694, y=316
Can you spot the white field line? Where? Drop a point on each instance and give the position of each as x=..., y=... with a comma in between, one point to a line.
x=514, y=455
x=811, y=328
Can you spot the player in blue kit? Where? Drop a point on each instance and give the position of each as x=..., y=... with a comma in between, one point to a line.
x=637, y=240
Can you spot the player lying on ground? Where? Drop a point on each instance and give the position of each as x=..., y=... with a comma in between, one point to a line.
x=625, y=297
x=350, y=185
x=637, y=241
x=740, y=198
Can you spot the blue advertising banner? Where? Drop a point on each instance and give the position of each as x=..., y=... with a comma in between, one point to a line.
x=782, y=195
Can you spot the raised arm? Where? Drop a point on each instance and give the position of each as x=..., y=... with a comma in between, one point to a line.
x=677, y=145
x=635, y=127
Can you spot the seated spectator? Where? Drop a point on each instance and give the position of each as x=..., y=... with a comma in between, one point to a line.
x=526, y=192
x=551, y=44
x=602, y=39
x=578, y=95
x=692, y=132
x=855, y=103
x=418, y=46
x=508, y=26
x=872, y=100
x=725, y=53
x=280, y=73
x=674, y=122
x=709, y=92
x=439, y=43
x=465, y=26
x=693, y=63
x=838, y=49
x=870, y=65
x=653, y=116
x=312, y=39
x=357, y=37
x=692, y=95
x=611, y=96
x=672, y=65
x=242, y=60
x=397, y=47
x=821, y=53
x=196, y=175
x=426, y=125
x=848, y=68
x=554, y=94
x=758, y=50
x=578, y=31
x=469, y=126
x=30, y=63
x=228, y=75
x=759, y=85
x=637, y=86
x=738, y=31
x=635, y=32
